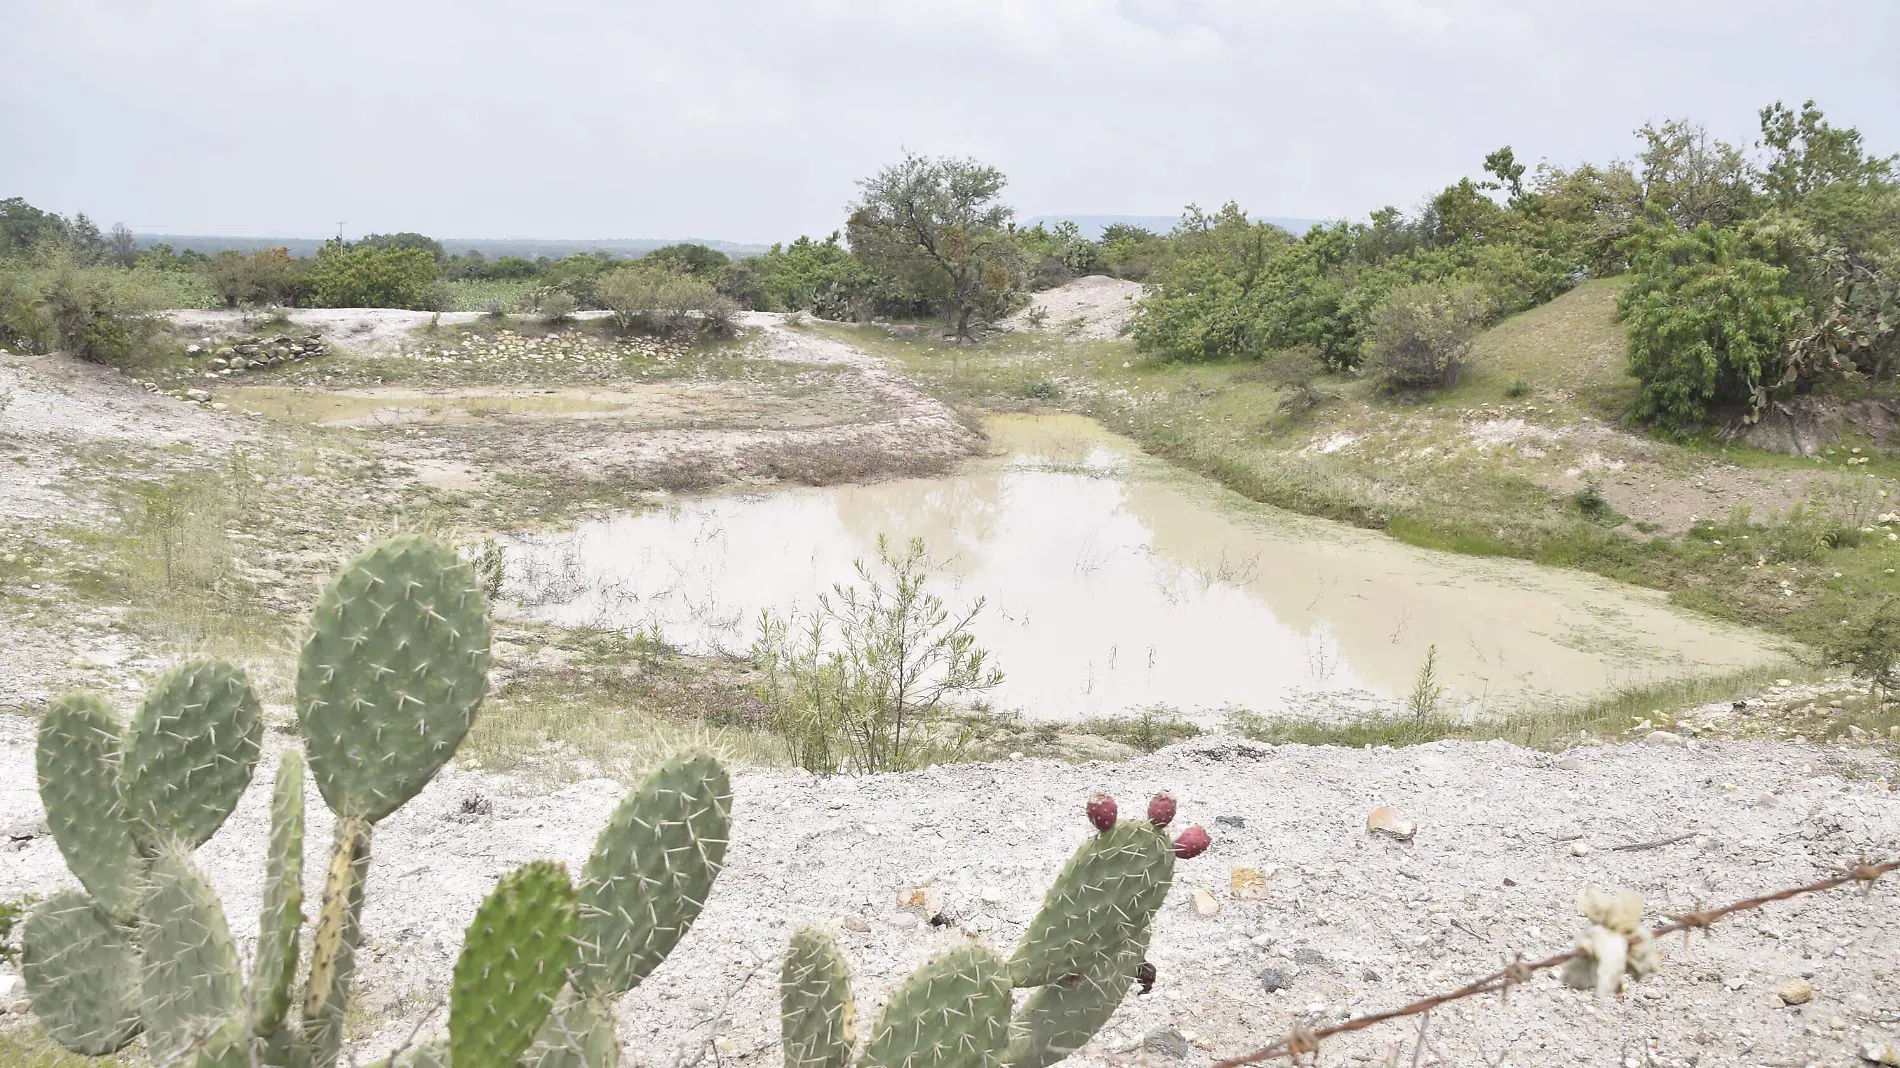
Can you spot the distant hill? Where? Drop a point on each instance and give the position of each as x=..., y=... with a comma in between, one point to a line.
x=1093, y=225
x=528, y=247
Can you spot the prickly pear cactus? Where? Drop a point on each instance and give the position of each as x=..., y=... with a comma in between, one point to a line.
x=392, y=674
x=1103, y=900
x=650, y=872
x=79, y=753
x=190, y=979
x=817, y=1017
x=190, y=753
x=281, y=914
x=83, y=972
x=951, y=1013
x=514, y=961
x=1060, y=1018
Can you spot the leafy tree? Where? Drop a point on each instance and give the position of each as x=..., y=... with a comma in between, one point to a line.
x=267, y=276
x=822, y=277
x=1806, y=154
x=372, y=276
x=689, y=258
x=1706, y=323
x=406, y=239
x=1206, y=304
x=24, y=228
x=1694, y=178
x=125, y=247
x=938, y=226
x=1419, y=336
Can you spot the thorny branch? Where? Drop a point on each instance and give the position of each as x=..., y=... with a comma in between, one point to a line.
x=1303, y=1041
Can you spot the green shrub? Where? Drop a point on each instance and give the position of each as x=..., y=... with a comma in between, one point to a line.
x=1419, y=336
x=1706, y=324
x=23, y=323
x=664, y=301
x=1869, y=644
x=267, y=276
x=92, y=316
x=369, y=276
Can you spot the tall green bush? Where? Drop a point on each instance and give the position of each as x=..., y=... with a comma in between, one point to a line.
x=372, y=276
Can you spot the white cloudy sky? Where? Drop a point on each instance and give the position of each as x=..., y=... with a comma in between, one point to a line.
x=749, y=119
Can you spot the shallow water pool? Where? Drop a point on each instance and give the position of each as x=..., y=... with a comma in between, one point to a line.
x=1115, y=582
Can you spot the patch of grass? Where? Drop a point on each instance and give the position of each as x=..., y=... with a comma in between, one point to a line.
x=1153, y=728
x=32, y=1047
x=12, y=914
x=1608, y=717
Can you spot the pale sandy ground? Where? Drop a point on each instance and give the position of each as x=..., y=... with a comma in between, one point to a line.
x=1094, y=307
x=1351, y=922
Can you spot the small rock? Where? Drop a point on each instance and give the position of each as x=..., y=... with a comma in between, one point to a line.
x=852, y=923
x=993, y=895
x=1570, y=763
x=219, y=362
x=1579, y=848
x=1235, y=822
x=1880, y=1052
x=905, y=919
x=1796, y=992
x=198, y=395
x=193, y=350
x=1274, y=980
x=1370, y=976
x=927, y=900
x=1663, y=738
x=12, y=987
x=1204, y=902
x=1247, y=884
x=23, y=1006
x=24, y=830
x=1856, y=733
x=1170, y=1043
x=1388, y=820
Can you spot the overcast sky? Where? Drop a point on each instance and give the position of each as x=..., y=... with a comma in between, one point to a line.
x=749, y=120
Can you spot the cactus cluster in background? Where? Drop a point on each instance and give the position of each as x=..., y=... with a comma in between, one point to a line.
x=390, y=679
x=1080, y=955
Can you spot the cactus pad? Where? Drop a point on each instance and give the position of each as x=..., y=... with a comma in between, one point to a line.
x=514, y=961
x=1060, y=1018
x=281, y=913
x=191, y=977
x=650, y=871
x=951, y=1013
x=1103, y=900
x=579, y=1033
x=82, y=972
x=78, y=755
x=816, y=1011
x=333, y=946
x=392, y=674
x=190, y=753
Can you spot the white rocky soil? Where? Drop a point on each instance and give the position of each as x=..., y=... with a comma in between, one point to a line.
x=1348, y=921
x=1094, y=307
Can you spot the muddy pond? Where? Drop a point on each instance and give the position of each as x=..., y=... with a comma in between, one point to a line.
x=1115, y=582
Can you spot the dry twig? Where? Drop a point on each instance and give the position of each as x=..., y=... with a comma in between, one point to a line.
x=1303, y=1041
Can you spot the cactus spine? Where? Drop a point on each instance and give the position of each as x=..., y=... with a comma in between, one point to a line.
x=79, y=752
x=514, y=960
x=817, y=1016
x=282, y=912
x=83, y=972
x=951, y=1013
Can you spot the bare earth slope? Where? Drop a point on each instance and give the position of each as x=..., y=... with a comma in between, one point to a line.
x=1351, y=923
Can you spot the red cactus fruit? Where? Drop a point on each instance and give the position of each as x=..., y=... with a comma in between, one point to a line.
x=1161, y=810
x=1192, y=843
x=1102, y=812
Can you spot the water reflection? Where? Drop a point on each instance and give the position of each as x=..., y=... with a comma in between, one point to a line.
x=1115, y=582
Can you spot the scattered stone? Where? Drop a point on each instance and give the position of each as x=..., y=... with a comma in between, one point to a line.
x=24, y=830
x=1570, y=763
x=1235, y=822
x=1204, y=902
x=1274, y=979
x=852, y=923
x=23, y=1006
x=905, y=919
x=12, y=987
x=1172, y=1044
x=1663, y=738
x=1145, y=975
x=199, y=395
x=1796, y=992
x=1580, y=848
x=1371, y=976
x=1247, y=884
x=1856, y=733
x=1388, y=820
x=1880, y=1052
x=993, y=895
x=926, y=900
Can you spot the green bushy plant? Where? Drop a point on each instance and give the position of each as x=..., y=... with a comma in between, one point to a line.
x=268, y=276
x=372, y=276
x=1419, y=337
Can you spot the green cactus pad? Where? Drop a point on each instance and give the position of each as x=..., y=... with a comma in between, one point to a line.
x=1104, y=900
x=82, y=973
x=392, y=674
x=817, y=1016
x=190, y=753
x=650, y=871
x=333, y=945
x=1060, y=1018
x=191, y=977
x=579, y=1033
x=514, y=961
x=227, y=1045
x=281, y=915
x=78, y=756
x=951, y=1013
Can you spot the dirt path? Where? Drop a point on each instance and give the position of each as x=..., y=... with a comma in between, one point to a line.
x=1349, y=922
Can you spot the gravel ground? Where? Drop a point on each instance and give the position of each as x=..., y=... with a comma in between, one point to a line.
x=1095, y=307
x=1349, y=922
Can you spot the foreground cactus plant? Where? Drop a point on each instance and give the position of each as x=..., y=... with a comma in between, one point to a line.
x=1082, y=952
x=391, y=676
